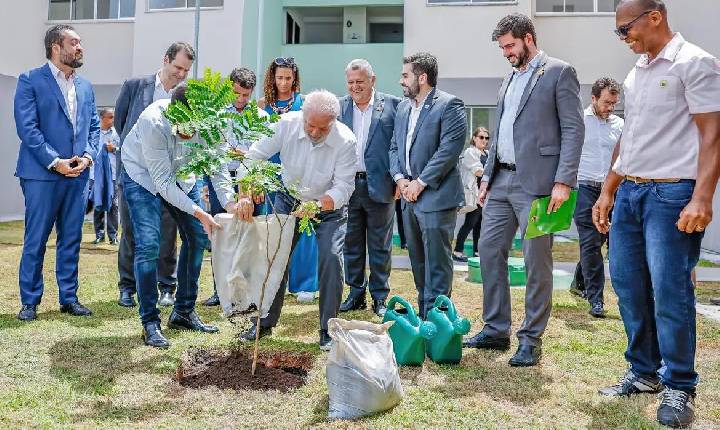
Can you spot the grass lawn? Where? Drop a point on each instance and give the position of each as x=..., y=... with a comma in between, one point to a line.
x=63, y=371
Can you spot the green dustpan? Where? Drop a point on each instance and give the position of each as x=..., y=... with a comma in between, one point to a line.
x=541, y=223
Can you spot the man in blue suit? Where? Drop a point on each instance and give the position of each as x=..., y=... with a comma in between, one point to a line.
x=428, y=137
x=58, y=126
x=371, y=116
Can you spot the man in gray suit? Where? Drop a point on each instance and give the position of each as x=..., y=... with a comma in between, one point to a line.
x=535, y=153
x=137, y=94
x=428, y=137
x=371, y=116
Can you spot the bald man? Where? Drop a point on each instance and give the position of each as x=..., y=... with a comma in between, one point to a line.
x=665, y=177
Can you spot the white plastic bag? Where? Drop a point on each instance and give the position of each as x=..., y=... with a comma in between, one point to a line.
x=362, y=374
x=241, y=253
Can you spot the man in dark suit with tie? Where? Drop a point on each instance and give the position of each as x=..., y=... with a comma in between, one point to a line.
x=534, y=153
x=371, y=116
x=428, y=137
x=58, y=126
x=137, y=94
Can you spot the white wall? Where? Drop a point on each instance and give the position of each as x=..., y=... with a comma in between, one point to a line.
x=220, y=36
x=23, y=24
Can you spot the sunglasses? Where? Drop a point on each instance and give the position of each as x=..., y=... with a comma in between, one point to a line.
x=623, y=30
x=483, y=137
x=280, y=61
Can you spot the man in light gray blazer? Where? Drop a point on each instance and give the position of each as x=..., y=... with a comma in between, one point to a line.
x=428, y=137
x=534, y=153
x=137, y=94
x=371, y=116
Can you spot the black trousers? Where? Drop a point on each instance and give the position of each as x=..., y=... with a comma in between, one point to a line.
x=473, y=221
x=592, y=266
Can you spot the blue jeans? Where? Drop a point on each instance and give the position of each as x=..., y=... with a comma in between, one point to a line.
x=146, y=218
x=651, y=262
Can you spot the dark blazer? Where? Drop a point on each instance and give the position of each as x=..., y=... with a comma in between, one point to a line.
x=44, y=127
x=549, y=129
x=381, y=187
x=136, y=94
x=438, y=140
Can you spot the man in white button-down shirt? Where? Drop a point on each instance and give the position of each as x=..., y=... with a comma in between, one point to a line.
x=318, y=155
x=602, y=132
x=665, y=177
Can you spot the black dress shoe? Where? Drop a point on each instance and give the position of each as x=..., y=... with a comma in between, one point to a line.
x=189, y=321
x=213, y=300
x=715, y=301
x=597, y=310
x=483, y=341
x=98, y=240
x=353, y=303
x=75, y=309
x=126, y=299
x=152, y=336
x=526, y=355
x=325, y=340
x=249, y=334
x=460, y=258
x=166, y=299
x=27, y=313
x=379, y=308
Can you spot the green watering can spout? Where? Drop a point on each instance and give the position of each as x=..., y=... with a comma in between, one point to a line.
x=446, y=345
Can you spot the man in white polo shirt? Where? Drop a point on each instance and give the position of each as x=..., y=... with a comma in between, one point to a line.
x=665, y=177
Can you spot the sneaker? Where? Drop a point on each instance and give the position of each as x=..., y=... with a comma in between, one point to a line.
x=631, y=384
x=597, y=311
x=305, y=296
x=677, y=408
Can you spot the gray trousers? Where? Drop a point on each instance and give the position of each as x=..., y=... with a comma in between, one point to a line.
x=429, y=236
x=369, y=234
x=167, y=262
x=330, y=239
x=507, y=206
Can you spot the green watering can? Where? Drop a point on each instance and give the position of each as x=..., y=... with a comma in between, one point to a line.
x=408, y=333
x=446, y=346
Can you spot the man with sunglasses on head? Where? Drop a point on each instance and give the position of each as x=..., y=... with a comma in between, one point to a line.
x=602, y=132
x=665, y=177
x=137, y=94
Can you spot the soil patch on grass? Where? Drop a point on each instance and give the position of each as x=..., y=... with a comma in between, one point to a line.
x=225, y=369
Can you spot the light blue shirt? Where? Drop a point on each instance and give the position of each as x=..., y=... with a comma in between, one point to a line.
x=513, y=95
x=601, y=136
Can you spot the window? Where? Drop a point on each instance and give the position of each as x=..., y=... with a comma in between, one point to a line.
x=479, y=116
x=181, y=4
x=90, y=9
x=469, y=2
x=576, y=6
x=336, y=25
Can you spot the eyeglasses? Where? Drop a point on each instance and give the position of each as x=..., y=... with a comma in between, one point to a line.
x=281, y=61
x=483, y=137
x=623, y=30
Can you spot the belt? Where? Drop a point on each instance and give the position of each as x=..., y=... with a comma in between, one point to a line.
x=591, y=183
x=361, y=175
x=639, y=180
x=507, y=166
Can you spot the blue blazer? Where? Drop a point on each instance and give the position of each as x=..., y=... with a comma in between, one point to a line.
x=44, y=127
x=437, y=142
x=377, y=160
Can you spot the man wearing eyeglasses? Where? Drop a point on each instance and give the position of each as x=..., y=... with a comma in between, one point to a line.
x=602, y=132
x=665, y=177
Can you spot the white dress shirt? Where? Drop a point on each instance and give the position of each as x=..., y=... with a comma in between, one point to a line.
x=325, y=168
x=361, y=129
x=660, y=139
x=160, y=92
x=67, y=88
x=601, y=136
x=412, y=122
x=152, y=155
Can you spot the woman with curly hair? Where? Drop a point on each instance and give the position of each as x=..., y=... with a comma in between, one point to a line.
x=281, y=88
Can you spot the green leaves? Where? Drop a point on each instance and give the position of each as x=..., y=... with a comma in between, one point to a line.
x=207, y=115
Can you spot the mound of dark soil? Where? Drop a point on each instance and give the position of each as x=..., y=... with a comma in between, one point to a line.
x=231, y=369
